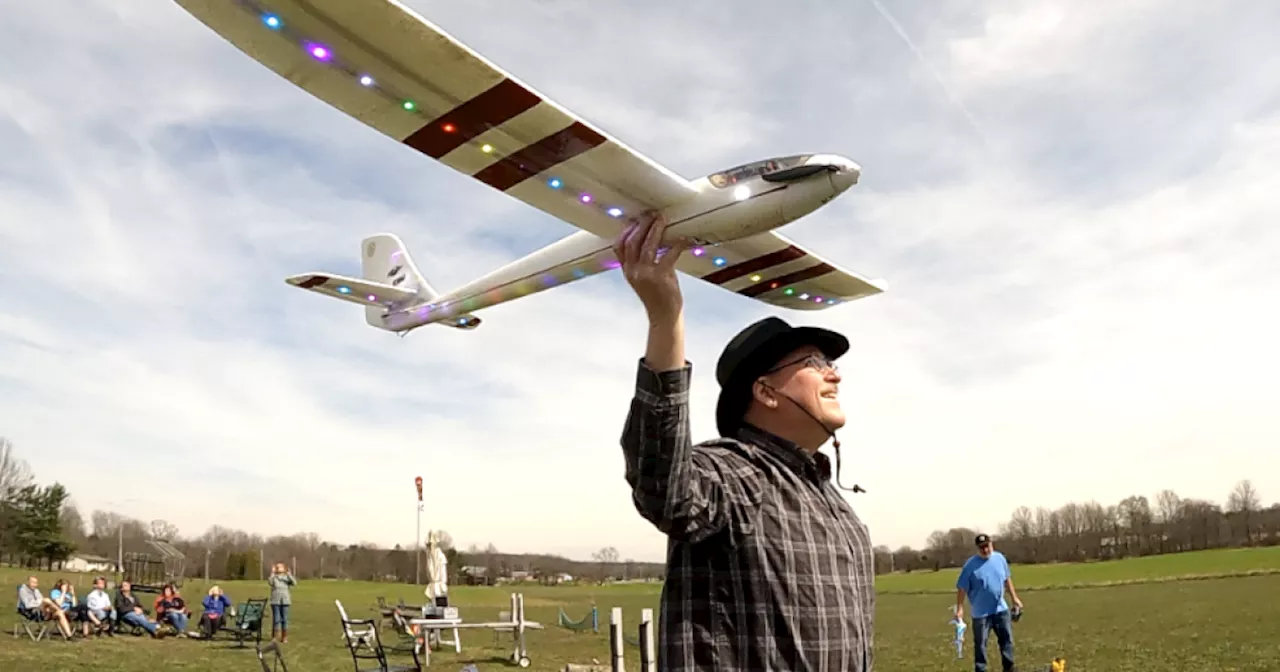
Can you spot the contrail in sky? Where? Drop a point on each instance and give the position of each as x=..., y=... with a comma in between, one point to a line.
x=955, y=99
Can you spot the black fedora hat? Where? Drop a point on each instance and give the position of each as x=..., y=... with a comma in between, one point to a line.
x=756, y=349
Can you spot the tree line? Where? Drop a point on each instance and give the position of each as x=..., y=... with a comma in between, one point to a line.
x=40, y=527
x=1074, y=532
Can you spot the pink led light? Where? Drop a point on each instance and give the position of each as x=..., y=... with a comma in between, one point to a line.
x=698, y=251
x=319, y=52
x=585, y=198
x=373, y=298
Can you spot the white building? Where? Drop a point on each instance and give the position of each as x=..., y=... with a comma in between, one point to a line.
x=83, y=562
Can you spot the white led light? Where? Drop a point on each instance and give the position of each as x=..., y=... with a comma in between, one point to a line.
x=741, y=192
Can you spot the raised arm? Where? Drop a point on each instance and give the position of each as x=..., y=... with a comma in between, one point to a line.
x=680, y=493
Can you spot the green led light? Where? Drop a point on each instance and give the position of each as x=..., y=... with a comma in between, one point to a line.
x=408, y=105
x=788, y=291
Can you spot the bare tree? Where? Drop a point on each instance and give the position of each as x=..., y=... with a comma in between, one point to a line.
x=606, y=558
x=15, y=473
x=163, y=530
x=1243, y=502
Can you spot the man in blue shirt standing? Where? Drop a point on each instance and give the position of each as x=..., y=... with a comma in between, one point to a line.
x=984, y=578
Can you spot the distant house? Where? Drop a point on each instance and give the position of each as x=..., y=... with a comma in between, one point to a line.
x=83, y=562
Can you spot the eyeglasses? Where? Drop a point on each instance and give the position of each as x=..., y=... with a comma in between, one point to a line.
x=816, y=361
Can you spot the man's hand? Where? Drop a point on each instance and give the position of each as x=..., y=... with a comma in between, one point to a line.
x=652, y=278
x=654, y=281
x=1016, y=602
x=959, y=613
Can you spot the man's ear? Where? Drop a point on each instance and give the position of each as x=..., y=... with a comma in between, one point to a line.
x=764, y=393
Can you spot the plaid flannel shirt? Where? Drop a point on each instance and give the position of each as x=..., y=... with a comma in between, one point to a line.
x=768, y=567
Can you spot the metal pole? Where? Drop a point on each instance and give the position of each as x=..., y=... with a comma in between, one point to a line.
x=417, y=537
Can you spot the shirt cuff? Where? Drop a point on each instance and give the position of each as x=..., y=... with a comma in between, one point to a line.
x=663, y=384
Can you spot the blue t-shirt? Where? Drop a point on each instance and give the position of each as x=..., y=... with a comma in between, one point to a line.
x=983, y=581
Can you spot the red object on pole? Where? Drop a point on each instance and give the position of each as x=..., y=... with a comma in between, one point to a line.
x=418, y=482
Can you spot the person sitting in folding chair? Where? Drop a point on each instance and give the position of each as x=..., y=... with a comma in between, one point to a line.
x=36, y=607
x=64, y=595
x=98, y=607
x=215, y=606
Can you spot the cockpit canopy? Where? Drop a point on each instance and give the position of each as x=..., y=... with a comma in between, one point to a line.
x=733, y=176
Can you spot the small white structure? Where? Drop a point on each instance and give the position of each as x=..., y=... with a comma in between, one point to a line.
x=437, y=569
x=83, y=562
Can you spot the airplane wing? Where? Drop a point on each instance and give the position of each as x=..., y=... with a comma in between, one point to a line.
x=386, y=66
x=771, y=268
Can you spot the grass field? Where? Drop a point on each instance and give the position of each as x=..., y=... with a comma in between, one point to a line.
x=1139, y=618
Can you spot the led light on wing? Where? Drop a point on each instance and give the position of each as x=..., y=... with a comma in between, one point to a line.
x=366, y=80
x=615, y=212
x=741, y=192
x=817, y=299
x=755, y=278
x=554, y=183
x=408, y=105
x=719, y=261
x=486, y=148
x=804, y=296
x=319, y=52
x=344, y=290
x=272, y=21
x=831, y=302
x=698, y=251
x=372, y=298
x=585, y=198
x=449, y=128
x=788, y=291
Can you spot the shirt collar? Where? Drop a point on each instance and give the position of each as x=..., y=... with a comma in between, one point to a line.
x=816, y=465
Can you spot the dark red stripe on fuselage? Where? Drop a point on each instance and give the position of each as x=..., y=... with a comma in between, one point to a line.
x=789, y=253
x=499, y=104
x=781, y=282
x=539, y=156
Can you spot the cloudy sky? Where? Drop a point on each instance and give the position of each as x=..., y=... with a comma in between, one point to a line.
x=1074, y=205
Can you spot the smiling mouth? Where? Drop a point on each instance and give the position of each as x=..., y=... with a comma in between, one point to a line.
x=829, y=395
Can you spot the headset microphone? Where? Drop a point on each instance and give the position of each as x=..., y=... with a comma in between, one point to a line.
x=835, y=443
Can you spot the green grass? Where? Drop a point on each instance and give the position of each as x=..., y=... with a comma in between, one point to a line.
x=1140, y=621
x=1171, y=567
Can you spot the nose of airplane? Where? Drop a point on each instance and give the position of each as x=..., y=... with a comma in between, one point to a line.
x=845, y=174
x=842, y=172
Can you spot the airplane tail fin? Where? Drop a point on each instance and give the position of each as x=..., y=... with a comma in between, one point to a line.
x=390, y=284
x=385, y=259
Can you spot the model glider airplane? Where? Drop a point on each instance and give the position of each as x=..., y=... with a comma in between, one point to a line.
x=388, y=67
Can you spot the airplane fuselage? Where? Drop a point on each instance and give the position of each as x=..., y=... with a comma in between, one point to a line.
x=726, y=206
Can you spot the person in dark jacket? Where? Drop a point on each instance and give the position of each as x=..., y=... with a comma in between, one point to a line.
x=129, y=610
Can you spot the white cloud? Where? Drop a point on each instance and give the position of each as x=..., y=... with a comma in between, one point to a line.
x=1047, y=337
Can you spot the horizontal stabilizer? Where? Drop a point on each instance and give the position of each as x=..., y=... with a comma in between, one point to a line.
x=363, y=292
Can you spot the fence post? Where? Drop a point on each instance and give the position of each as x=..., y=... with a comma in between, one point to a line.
x=615, y=639
x=648, y=663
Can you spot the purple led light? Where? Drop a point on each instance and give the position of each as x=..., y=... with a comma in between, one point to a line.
x=585, y=198
x=373, y=298
x=612, y=264
x=319, y=52
x=698, y=251
x=817, y=299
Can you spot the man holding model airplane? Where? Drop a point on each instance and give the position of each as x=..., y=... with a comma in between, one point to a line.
x=768, y=566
